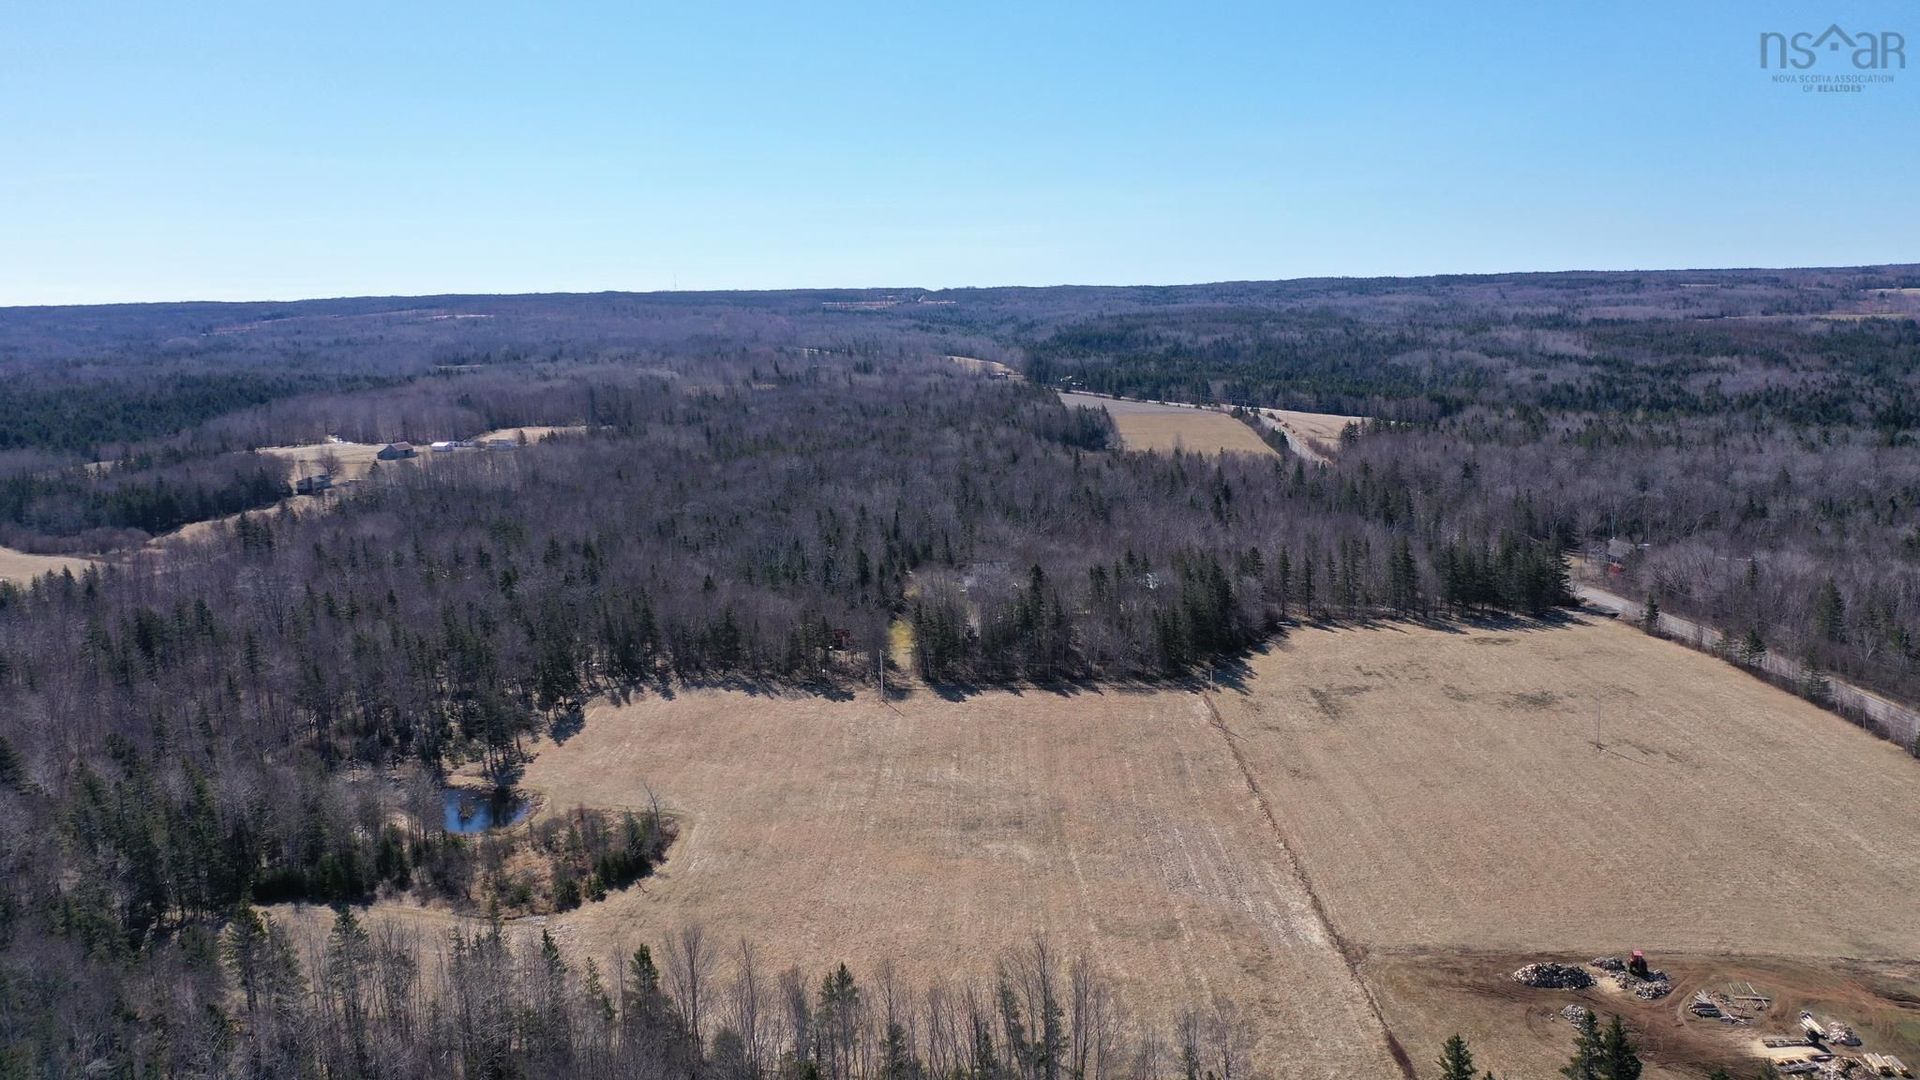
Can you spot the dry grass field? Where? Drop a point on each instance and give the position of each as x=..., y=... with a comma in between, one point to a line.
x=533, y=432
x=938, y=834
x=1720, y=814
x=1149, y=425
x=351, y=459
x=988, y=367
x=20, y=568
x=1432, y=800
x=1315, y=436
x=1446, y=796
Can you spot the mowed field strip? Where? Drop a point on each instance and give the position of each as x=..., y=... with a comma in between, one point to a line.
x=1150, y=425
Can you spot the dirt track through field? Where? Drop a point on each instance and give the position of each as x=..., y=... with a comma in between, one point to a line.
x=1347, y=954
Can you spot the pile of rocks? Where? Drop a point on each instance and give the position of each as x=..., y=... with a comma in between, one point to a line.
x=1554, y=977
x=1575, y=1013
x=1655, y=986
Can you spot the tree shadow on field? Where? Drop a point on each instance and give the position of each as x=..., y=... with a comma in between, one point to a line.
x=1452, y=623
x=961, y=690
x=1231, y=672
x=567, y=723
x=955, y=691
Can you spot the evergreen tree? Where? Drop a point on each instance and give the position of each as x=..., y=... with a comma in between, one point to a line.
x=1456, y=1062
x=1403, y=586
x=12, y=772
x=1815, y=686
x=644, y=973
x=838, y=1021
x=244, y=946
x=1830, y=613
x=1585, y=1063
x=1619, y=1059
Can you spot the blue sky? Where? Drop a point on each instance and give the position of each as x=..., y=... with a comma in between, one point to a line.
x=213, y=151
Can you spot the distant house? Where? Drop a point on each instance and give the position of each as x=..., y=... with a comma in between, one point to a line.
x=444, y=446
x=1618, y=552
x=395, y=451
x=500, y=444
x=313, y=485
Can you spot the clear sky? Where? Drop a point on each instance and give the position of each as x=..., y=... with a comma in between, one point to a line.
x=180, y=150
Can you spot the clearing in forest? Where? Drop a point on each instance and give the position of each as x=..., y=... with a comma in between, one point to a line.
x=1152, y=425
x=1314, y=436
x=21, y=567
x=990, y=368
x=348, y=460
x=533, y=432
x=1360, y=835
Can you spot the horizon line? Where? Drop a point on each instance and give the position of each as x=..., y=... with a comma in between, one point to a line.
x=1558, y=272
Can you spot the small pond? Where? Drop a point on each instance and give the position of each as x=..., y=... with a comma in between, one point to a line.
x=464, y=810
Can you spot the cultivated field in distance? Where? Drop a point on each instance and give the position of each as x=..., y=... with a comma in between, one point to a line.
x=1311, y=435
x=348, y=460
x=1148, y=425
x=533, y=432
x=20, y=567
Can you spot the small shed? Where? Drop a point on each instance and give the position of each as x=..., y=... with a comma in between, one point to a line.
x=444, y=446
x=394, y=451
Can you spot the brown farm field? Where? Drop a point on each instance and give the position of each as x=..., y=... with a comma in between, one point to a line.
x=1311, y=435
x=1719, y=813
x=943, y=833
x=1150, y=425
x=533, y=432
x=351, y=459
x=21, y=568
x=1365, y=824
x=354, y=459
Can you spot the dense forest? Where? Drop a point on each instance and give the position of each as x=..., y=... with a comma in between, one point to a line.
x=1760, y=461
x=764, y=490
